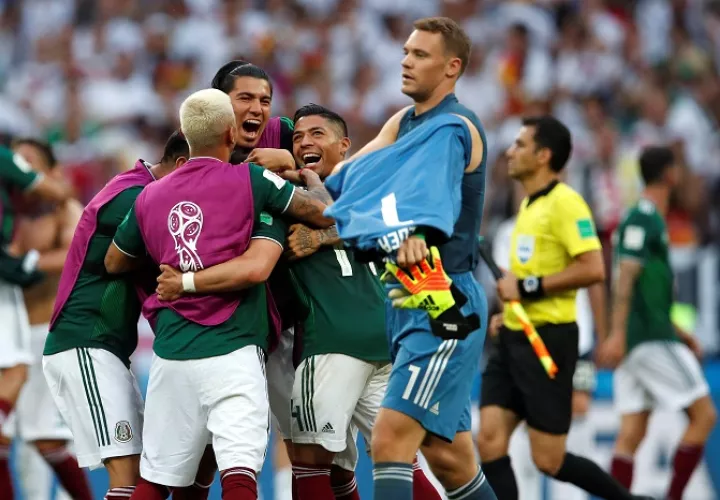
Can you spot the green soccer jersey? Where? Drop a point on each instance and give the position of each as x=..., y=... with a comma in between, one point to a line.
x=102, y=311
x=642, y=235
x=344, y=305
x=178, y=338
x=15, y=172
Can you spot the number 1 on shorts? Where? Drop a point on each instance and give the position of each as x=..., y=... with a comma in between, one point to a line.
x=414, y=373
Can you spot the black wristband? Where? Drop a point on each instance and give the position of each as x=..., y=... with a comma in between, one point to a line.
x=531, y=287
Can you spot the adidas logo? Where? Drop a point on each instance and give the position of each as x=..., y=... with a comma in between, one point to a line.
x=328, y=428
x=428, y=304
x=435, y=409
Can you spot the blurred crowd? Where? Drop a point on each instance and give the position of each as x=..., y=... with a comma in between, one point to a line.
x=103, y=79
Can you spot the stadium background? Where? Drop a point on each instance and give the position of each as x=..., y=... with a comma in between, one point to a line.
x=102, y=81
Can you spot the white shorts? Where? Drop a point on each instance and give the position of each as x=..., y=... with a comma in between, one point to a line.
x=658, y=374
x=189, y=400
x=281, y=376
x=99, y=398
x=330, y=392
x=14, y=327
x=36, y=416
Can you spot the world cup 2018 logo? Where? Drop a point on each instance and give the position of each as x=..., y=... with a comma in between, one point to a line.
x=185, y=224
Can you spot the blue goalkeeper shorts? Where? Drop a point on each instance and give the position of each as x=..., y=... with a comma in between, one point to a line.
x=432, y=378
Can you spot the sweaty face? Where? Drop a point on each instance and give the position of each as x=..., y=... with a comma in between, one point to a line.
x=522, y=154
x=251, y=101
x=318, y=145
x=34, y=157
x=424, y=65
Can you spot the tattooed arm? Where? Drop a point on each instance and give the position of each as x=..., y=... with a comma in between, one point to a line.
x=305, y=207
x=315, y=186
x=304, y=241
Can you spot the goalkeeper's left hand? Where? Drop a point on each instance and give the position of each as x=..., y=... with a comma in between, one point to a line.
x=428, y=288
x=425, y=286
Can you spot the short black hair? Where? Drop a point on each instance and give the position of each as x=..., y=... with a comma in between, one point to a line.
x=552, y=134
x=175, y=147
x=43, y=147
x=318, y=110
x=654, y=161
x=225, y=77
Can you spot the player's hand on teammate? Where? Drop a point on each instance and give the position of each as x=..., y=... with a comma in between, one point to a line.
x=612, y=351
x=169, y=283
x=275, y=160
x=302, y=242
x=412, y=252
x=309, y=177
x=304, y=176
x=496, y=322
x=507, y=287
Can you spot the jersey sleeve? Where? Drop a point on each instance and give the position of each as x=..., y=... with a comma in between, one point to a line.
x=128, y=237
x=271, y=193
x=287, y=127
x=271, y=228
x=15, y=171
x=573, y=225
x=634, y=236
x=112, y=214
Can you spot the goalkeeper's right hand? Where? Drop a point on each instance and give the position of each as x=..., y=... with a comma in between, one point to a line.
x=425, y=286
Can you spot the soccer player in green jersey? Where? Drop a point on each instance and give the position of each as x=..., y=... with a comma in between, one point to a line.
x=658, y=367
x=342, y=349
x=208, y=373
x=16, y=175
x=39, y=432
x=341, y=342
x=87, y=352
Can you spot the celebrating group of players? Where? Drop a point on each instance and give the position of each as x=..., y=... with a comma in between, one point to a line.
x=259, y=309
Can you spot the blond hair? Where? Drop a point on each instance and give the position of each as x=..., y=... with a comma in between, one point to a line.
x=205, y=117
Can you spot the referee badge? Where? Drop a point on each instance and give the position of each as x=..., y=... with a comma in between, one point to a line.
x=123, y=431
x=524, y=248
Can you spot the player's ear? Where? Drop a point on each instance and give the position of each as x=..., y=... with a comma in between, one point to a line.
x=453, y=67
x=180, y=162
x=345, y=144
x=231, y=137
x=544, y=155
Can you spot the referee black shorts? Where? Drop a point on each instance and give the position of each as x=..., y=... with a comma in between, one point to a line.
x=515, y=380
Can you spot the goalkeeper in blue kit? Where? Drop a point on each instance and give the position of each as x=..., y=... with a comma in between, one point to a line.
x=436, y=329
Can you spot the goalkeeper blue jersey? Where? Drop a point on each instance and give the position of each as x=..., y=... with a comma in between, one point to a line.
x=460, y=254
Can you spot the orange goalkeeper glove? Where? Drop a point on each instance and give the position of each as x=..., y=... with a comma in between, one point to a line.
x=427, y=287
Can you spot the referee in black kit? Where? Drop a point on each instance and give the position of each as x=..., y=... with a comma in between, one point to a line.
x=554, y=251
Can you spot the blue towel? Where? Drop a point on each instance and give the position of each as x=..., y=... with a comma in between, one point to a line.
x=383, y=196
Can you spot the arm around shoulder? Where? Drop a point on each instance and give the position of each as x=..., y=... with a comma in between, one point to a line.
x=247, y=270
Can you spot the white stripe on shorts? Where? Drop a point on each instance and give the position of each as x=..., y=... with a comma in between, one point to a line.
x=434, y=371
x=439, y=370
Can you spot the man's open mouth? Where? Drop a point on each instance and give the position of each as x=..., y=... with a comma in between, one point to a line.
x=251, y=127
x=311, y=159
